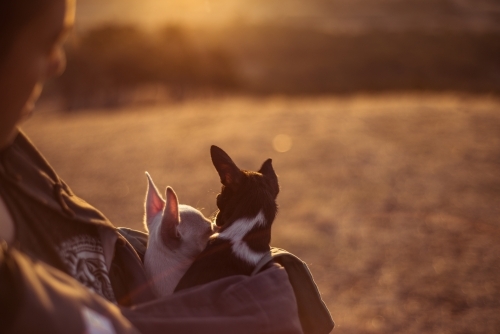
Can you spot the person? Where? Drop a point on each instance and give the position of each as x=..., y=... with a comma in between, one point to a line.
x=64, y=267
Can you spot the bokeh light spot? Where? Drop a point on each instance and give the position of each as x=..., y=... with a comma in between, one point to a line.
x=282, y=143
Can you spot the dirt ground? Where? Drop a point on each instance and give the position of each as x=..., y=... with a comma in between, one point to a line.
x=393, y=201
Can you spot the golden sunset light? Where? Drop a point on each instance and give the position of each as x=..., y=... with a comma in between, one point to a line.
x=381, y=119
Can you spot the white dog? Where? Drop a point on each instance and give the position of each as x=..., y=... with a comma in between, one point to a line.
x=177, y=234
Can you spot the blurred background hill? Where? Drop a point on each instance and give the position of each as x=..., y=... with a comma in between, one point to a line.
x=138, y=51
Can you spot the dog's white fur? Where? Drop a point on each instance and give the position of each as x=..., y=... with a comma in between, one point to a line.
x=167, y=259
x=235, y=234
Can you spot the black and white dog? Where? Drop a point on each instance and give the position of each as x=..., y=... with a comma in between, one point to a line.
x=247, y=208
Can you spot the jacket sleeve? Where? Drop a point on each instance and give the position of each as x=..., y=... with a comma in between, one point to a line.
x=264, y=303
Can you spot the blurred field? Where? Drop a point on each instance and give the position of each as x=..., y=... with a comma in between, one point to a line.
x=392, y=200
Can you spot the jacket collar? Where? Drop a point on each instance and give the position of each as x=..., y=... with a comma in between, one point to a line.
x=26, y=169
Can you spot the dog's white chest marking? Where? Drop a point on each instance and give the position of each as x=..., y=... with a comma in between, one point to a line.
x=237, y=231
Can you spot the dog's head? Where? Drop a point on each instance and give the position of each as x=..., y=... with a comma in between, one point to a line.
x=178, y=227
x=244, y=193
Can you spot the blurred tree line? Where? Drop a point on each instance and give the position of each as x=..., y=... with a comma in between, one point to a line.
x=301, y=61
x=109, y=64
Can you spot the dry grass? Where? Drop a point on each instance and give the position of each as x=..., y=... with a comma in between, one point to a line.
x=393, y=201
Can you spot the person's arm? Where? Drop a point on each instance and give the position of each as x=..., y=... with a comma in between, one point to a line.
x=264, y=303
x=49, y=299
x=35, y=298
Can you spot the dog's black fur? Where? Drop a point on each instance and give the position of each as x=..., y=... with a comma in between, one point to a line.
x=244, y=194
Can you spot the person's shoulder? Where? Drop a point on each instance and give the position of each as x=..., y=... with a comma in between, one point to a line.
x=22, y=148
x=24, y=143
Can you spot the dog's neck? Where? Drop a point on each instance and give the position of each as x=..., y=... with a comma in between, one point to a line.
x=164, y=265
x=239, y=233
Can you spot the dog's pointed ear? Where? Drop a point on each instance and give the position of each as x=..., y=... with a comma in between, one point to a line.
x=270, y=175
x=171, y=219
x=153, y=203
x=230, y=174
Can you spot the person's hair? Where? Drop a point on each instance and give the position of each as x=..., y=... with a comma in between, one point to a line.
x=14, y=16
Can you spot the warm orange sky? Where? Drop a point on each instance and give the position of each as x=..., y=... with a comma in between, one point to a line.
x=327, y=14
x=153, y=12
